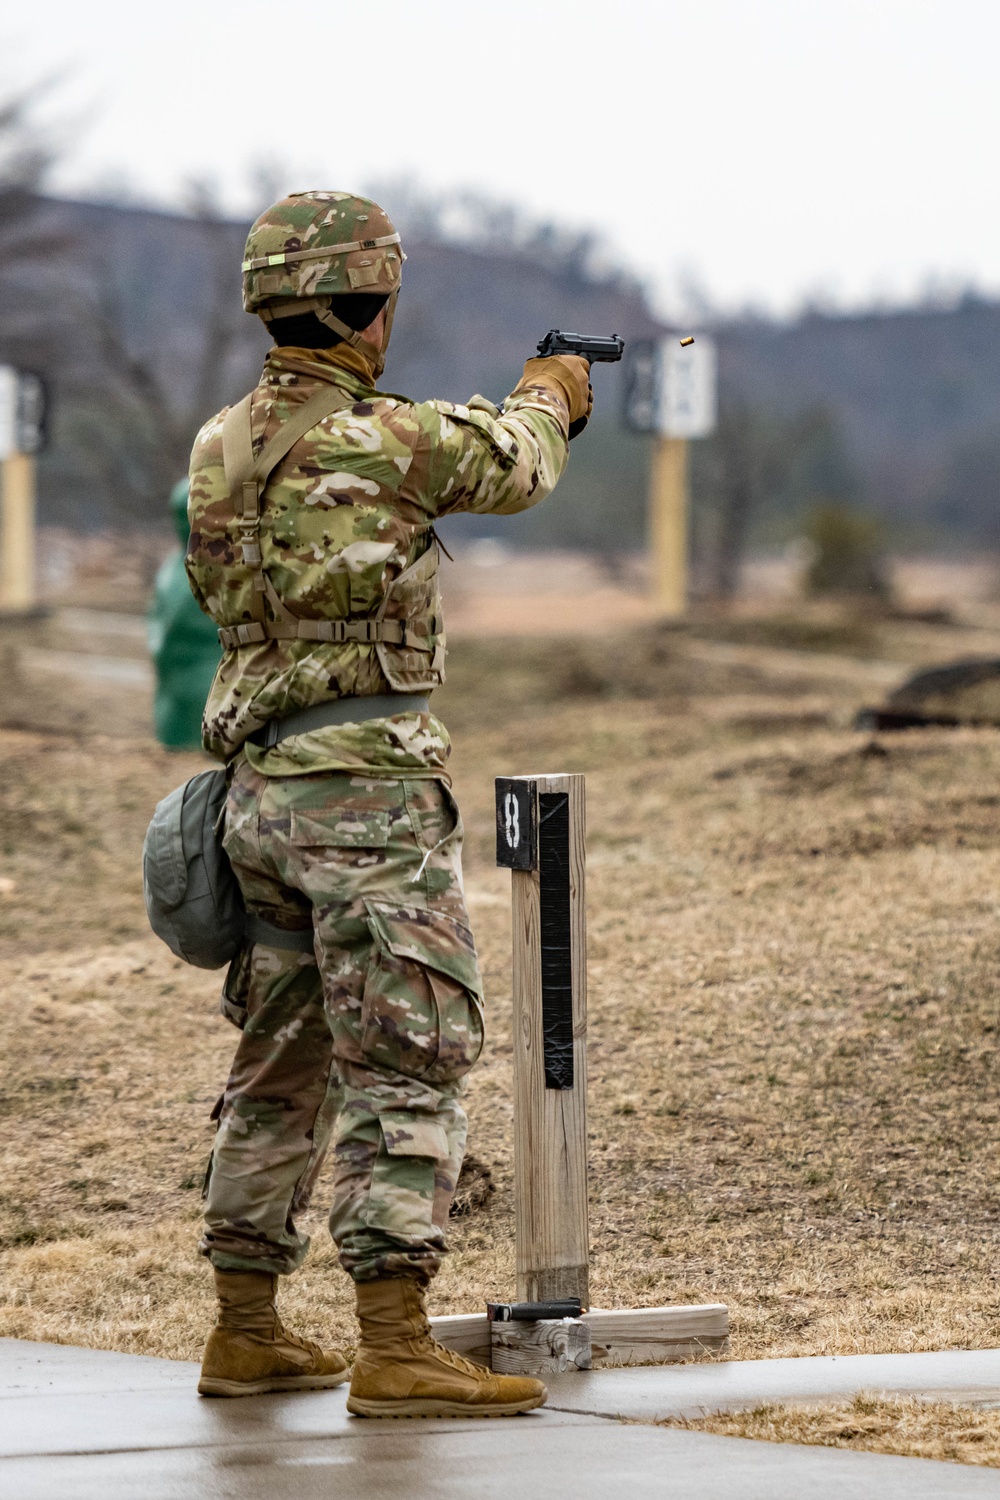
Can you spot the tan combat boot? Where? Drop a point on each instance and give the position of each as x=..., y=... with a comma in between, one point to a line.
x=248, y=1352
x=400, y=1371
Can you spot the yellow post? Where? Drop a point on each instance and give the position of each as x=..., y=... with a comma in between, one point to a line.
x=669, y=525
x=17, y=534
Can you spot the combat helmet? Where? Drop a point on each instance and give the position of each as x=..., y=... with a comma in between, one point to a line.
x=311, y=247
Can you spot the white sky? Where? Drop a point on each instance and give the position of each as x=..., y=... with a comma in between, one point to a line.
x=767, y=150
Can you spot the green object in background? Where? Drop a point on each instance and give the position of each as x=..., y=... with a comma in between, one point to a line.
x=183, y=643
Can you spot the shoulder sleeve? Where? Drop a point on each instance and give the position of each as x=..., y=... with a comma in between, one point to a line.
x=488, y=463
x=210, y=542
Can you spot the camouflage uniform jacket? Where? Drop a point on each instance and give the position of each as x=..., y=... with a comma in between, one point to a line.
x=350, y=509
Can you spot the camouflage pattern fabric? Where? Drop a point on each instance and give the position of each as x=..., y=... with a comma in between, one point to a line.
x=367, y=1047
x=362, y=1045
x=410, y=744
x=284, y=256
x=350, y=509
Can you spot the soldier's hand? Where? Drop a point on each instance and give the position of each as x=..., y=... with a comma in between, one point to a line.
x=575, y=428
x=567, y=375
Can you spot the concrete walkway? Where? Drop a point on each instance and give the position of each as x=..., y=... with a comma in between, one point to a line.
x=651, y=1394
x=76, y=1424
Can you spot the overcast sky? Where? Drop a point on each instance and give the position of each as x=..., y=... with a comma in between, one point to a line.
x=767, y=150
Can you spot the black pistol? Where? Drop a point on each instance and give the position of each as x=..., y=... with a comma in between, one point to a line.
x=596, y=348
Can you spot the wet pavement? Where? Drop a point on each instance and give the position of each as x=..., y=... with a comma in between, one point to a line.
x=79, y=1424
x=650, y=1394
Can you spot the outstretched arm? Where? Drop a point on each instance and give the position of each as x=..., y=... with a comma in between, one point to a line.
x=499, y=463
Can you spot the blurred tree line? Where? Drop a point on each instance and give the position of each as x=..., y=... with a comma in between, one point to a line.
x=128, y=388
x=760, y=482
x=134, y=315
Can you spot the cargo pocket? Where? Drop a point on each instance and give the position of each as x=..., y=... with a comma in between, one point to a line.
x=406, y=1134
x=404, y=1175
x=422, y=1013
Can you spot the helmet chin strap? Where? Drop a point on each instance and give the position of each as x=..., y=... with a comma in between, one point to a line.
x=390, y=313
x=320, y=307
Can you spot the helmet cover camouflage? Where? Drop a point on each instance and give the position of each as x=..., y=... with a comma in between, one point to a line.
x=319, y=245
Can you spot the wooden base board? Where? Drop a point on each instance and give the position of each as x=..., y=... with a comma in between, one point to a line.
x=466, y=1333
x=626, y=1336
x=658, y=1335
x=549, y=1347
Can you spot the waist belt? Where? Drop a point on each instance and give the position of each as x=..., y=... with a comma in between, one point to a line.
x=298, y=940
x=395, y=632
x=339, y=711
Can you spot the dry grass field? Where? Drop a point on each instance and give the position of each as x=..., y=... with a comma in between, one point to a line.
x=872, y=1423
x=794, y=967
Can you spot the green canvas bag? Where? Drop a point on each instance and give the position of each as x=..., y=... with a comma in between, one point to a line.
x=193, y=900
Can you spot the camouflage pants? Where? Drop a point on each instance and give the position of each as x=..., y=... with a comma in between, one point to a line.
x=364, y=1042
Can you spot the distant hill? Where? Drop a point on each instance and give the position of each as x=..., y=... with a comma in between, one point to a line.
x=143, y=298
x=142, y=331
x=917, y=394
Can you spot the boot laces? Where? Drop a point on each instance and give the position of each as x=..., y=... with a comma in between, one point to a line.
x=453, y=1358
x=281, y=1334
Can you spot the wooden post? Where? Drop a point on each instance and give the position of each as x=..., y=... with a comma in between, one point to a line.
x=17, y=534
x=540, y=837
x=669, y=524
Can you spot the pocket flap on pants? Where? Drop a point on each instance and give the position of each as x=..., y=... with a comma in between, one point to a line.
x=346, y=828
x=431, y=938
x=406, y=1134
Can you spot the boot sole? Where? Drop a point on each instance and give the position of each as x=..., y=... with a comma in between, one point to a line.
x=210, y=1385
x=429, y=1408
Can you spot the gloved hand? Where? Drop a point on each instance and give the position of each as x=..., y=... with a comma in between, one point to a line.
x=576, y=427
x=566, y=375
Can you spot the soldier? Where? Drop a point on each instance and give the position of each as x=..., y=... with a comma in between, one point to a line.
x=312, y=507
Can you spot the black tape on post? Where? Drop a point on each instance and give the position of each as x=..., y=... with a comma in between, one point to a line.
x=557, y=958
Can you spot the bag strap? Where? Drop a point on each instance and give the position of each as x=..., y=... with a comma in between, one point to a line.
x=247, y=478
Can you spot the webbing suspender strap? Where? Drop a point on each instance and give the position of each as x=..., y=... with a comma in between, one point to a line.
x=247, y=477
x=238, y=459
x=243, y=470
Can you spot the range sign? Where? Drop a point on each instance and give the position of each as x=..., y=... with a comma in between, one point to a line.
x=22, y=411
x=670, y=387
x=517, y=838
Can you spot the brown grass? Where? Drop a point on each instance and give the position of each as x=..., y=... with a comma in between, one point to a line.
x=793, y=970
x=873, y=1423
